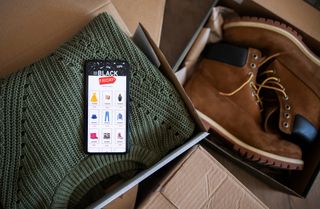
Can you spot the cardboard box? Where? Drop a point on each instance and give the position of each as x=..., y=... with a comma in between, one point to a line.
x=147, y=12
x=182, y=22
x=125, y=201
x=191, y=184
x=293, y=182
x=32, y=30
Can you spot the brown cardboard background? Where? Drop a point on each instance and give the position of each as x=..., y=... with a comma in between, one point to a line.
x=147, y=12
x=32, y=29
x=125, y=201
x=181, y=22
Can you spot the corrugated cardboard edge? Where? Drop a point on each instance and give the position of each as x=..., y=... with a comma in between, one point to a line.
x=125, y=201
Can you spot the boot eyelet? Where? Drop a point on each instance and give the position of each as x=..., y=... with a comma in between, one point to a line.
x=286, y=97
x=287, y=115
x=255, y=56
x=288, y=107
x=286, y=125
x=252, y=65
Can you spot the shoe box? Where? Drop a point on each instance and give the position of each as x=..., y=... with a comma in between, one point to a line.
x=31, y=30
x=304, y=19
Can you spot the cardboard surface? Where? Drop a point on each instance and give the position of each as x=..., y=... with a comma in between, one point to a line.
x=147, y=12
x=125, y=201
x=182, y=22
x=208, y=184
x=32, y=29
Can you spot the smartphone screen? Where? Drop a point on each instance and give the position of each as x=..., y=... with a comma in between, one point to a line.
x=106, y=112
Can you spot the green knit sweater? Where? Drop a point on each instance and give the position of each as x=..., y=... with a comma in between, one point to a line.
x=42, y=159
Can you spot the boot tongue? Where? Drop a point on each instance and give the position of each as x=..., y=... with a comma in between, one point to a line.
x=271, y=119
x=270, y=98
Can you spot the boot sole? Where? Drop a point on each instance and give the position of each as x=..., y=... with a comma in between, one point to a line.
x=276, y=27
x=251, y=152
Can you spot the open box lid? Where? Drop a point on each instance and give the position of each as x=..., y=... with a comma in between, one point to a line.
x=182, y=23
x=190, y=184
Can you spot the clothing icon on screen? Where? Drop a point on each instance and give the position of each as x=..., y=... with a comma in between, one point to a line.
x=93, y=116
x=107, y=97
x=106, y=135
x=119, y=136
x=93, y=136
x=119, y=97
x=107, y=117
x=94, y=98
x=119, y=117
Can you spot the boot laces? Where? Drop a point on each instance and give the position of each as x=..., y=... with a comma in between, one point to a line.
x=270, y=82
x=249, y=81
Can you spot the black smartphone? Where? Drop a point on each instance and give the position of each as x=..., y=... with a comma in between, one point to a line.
x=106, y=106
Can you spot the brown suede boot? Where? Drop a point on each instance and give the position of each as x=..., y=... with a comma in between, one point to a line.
x=225, y=96
x=290, y=79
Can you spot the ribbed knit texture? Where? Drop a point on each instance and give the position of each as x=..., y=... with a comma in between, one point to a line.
x=42, y=160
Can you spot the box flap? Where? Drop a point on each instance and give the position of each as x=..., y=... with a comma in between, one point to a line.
x=208, y=184
x=141, y=40
x=182, y=22
x=168, y=72
x=32, y=29
x=159, y=201
x=147, y=12
x=125, y=201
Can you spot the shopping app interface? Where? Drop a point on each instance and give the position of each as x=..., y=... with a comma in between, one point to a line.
x=107, y=112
